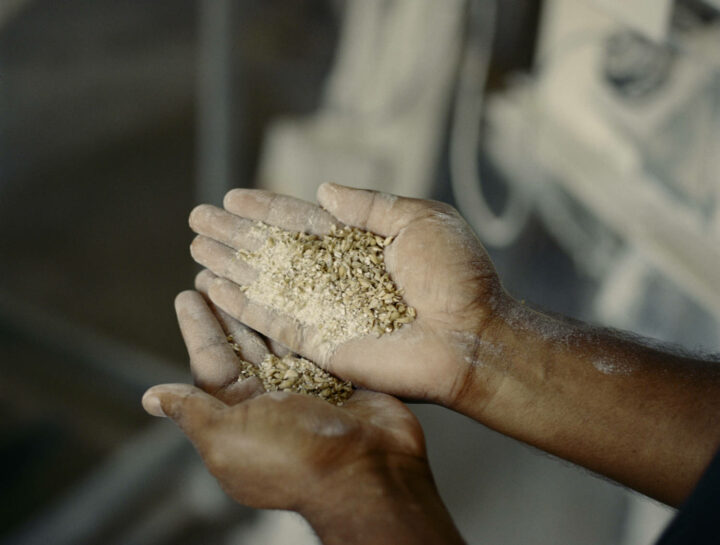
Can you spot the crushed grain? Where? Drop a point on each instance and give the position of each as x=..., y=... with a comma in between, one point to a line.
x=336, y=283
x=294, y=374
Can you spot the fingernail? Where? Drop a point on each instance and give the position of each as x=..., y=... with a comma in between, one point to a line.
x=151, y=404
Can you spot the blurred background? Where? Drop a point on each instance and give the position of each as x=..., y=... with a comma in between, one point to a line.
x=579, y=137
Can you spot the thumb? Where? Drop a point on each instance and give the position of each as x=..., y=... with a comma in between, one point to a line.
x=189, y=407
x=381, y=213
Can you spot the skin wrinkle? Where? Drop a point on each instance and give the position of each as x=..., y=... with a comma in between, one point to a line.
x=469, y=243
x=185, y=394
x=235, y=385
x=370, y=210
x=398, y=268
x=472, y=344
x=391, y=255
x=376, y=208
x=269, y=210
x=329, y=197
x=227, y=384
x=214, y=342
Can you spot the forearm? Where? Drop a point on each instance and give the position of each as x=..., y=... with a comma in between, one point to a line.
x=641, y=416
x=387, y=506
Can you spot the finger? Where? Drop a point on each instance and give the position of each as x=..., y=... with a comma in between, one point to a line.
x=212, y=359
x=256, y=352
x=231, y=230
x=278, y=349
x=374, y=211
x=221, y=260
x=237, y=392
x=253, y=348
x=280, y=210
x=270, y=323
x=203, y=280
x=189, y=407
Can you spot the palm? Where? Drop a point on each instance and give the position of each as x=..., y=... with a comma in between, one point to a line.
x=385, y=423
x=434, y=257
x=247, y=449
x=245, y=436
x=447, y=278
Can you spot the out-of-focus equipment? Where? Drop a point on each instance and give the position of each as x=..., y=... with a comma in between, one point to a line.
x=382, y=118
x=10, y=8
x=612, y=141
x=615, y=140
x=465, y=135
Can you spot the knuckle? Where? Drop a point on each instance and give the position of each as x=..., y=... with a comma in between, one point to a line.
x=214, y=343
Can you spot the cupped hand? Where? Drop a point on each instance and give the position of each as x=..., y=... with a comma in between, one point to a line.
x=278, y=450
x=434, y=257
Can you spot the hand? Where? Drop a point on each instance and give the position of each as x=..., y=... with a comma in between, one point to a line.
x=434, y=257
x=279, y=450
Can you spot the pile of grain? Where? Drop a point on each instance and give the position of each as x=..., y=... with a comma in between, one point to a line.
x=294, y=374
x=336, y=283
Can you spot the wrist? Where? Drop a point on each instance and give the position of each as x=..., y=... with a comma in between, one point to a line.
x=385, y=499
x=490, y=359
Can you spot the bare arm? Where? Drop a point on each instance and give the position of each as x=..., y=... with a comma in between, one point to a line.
x=647, y=418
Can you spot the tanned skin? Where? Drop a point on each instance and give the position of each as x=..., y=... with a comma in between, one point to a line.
x=358, y=473
x=646, y=417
